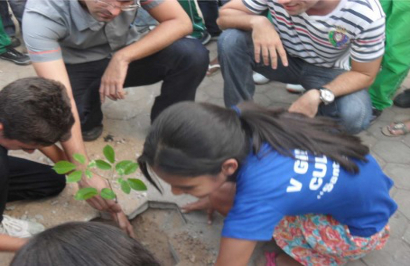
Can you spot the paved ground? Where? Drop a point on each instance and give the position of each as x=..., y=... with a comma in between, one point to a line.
x=128, y=121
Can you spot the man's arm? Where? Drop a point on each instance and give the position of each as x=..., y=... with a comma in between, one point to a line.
x=266, y=41
x=56, y=70
x=174, y=24
x=235, y=252
x=11, y=244
x=361, y=76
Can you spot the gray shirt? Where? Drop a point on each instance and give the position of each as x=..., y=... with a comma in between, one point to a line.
x=55, y=29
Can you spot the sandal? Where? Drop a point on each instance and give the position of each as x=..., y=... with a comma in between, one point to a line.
x=399, y=127
x=212, y=69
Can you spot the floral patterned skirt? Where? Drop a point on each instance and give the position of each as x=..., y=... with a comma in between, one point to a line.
x=321, y=240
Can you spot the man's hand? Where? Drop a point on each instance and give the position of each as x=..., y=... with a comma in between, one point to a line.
x=112, y=81
x=267, y=43
x=307, y=104
x=107, y=205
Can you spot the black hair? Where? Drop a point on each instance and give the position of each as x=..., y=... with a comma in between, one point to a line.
x=36, y=111
x=83, y=244
x=192, y=139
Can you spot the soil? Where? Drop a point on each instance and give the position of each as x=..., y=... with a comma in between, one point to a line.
x=170, y=240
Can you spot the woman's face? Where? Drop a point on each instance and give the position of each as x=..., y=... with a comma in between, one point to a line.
x=199, y=186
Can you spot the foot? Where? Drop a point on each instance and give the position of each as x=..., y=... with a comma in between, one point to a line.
x=15, y=56
x=403, y=99
x=397, y=129
x=375, y=114
x=259, y=78
x=206, y=38
x=295, y=88
x=15, y=42
x=93, y=133
x=19, y=228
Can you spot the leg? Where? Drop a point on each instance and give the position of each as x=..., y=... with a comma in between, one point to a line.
x=22, y=179
x=181, y=66
x=190, y=8
x=17, y=6
x=209, y=10
x=6, y=19
x=85, y=81
x=235, y=48
x=396, y=60
x=4, y=38
x=353, y=110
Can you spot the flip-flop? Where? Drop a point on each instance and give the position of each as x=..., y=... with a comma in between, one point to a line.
x=212, y=69
x=397, y=126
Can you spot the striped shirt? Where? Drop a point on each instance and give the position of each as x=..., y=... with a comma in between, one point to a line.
x=354, y=29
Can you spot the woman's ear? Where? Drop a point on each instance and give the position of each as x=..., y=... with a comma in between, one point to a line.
x=229, y=167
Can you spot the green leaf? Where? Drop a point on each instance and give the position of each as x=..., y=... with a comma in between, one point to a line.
x=109, y=153
x=130, y=168
x=125, y=187
x=137, y=184
x=122, y=166
x=92, y=164
x=63, y=167
x=74, y=177
x=86, y=193
x=103, y=165
x=79, y=158
x=88, y=173
x=107, y=193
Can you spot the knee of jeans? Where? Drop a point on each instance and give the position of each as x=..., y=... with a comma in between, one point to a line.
x=193, y=55
x=356, y=114
x=230, y=41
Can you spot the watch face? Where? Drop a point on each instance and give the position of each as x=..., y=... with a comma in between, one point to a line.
x=327, y=95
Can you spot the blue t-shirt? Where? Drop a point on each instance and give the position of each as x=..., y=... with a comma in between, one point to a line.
x=271, y=186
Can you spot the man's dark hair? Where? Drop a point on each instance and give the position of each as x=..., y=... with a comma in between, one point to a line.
x=83, y=244
x=36, y=111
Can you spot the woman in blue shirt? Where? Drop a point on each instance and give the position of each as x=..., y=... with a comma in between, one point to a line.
x=300, y=180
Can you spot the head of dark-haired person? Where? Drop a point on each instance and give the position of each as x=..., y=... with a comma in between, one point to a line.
x=85, y=244
x=34, y=112
x=195, y=139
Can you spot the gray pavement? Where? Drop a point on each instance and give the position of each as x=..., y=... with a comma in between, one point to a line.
x=128, y=121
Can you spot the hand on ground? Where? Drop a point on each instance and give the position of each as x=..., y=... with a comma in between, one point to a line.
x=106, y=205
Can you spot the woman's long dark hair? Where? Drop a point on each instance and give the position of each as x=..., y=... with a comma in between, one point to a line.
x=192, y=139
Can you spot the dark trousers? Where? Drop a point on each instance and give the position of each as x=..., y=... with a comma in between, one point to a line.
x=181, y=66
x=22, y=179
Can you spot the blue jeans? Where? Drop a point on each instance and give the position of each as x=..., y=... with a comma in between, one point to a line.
x=235, y=48
x=181, y=66
x=17, y=6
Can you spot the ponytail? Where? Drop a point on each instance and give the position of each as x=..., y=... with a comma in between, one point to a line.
x=286, y=131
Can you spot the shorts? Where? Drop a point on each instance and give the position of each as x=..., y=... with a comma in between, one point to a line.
x=321, y=240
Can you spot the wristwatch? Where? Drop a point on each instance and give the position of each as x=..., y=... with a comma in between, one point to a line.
x=326, y=95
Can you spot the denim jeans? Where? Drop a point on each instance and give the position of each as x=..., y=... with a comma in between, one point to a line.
x=236, y=56
x=181, y=66
x=17, y=6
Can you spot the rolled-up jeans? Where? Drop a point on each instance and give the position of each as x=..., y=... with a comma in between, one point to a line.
x=236, y=56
